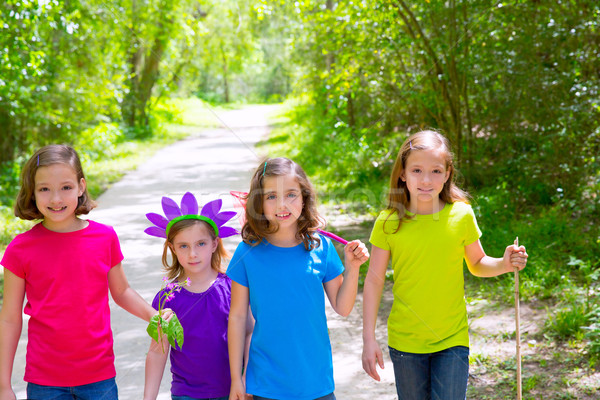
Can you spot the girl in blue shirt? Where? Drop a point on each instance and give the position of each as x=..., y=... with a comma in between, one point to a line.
x=280, y=269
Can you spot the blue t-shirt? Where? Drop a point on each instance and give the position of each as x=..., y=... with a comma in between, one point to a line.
x=290, y=353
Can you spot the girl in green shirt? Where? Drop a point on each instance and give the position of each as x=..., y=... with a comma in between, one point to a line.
x=426, y=231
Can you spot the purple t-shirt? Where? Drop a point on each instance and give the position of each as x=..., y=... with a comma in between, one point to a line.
x=201, y=367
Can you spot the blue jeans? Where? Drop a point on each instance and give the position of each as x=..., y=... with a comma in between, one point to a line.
x=103, y=390
x=432, y=376
x=330, y=396
x=173, y=397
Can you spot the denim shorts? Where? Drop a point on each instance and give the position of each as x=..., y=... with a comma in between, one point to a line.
x=103, y=390
x=173, y=397
x=330, y=396
x=431, y=376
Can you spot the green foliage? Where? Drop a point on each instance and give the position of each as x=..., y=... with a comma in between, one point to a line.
x=521, y=110
x=592, y=334
x=567, y=322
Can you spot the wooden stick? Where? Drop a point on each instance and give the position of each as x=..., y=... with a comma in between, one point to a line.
x=518, y=329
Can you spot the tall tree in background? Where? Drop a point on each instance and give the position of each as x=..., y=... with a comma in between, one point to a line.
x=153, y=30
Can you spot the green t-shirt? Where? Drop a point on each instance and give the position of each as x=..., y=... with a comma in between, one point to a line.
x=429, y=313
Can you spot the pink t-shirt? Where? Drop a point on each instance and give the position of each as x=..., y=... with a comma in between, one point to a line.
x=70, y=341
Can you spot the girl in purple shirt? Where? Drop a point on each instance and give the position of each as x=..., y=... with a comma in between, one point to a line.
x=200, y=368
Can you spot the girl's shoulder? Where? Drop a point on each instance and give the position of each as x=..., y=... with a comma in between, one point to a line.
x=224, y=280
x=460, y=208
x=388, y=214
x=97, y=226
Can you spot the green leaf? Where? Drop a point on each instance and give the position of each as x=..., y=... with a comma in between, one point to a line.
x=175, y=332
x=152, y=328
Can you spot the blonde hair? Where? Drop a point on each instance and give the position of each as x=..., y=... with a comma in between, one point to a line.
x=25, y=207
x=399, y=196
x=257, y=226
x=174, y=269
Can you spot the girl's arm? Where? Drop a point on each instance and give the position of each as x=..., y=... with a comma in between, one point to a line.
x=126, y=297
x=11, y=323
x=485, y=266
x=341, y=290
x=155, y=366
x=373, y=288
x=236, y=338
x=249, y=329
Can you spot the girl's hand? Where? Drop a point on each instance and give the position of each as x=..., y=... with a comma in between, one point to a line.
x=356, y=253
x=515, y=257
x=167, y=313
x=371, y=357
x=238, y=391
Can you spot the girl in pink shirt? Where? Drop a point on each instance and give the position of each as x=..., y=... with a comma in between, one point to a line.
x=66, y=266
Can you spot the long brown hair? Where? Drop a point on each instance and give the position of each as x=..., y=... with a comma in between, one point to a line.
x=25, y=207
x=257, y=226
x=399, y=196
x=174, y=269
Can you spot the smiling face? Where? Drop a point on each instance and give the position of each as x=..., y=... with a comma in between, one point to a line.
x=56, y=194
x=194, y=246
x=425, y=174
x=282, y=202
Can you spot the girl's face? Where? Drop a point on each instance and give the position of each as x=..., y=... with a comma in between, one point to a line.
x=56, y=193
x=193, y=247
x=282, y=201
x=425, y=174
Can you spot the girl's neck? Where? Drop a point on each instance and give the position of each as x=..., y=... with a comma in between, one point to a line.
x=285, y=238
x=427, y=208
x=73, y=225
x=200, y=281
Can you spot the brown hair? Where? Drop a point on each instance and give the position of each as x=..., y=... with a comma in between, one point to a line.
x=257, y=226
x=399, y=196
x=25, y=207
x=175, y=269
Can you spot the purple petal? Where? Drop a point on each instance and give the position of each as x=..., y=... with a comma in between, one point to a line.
x=222, y=217
x=155, y=231
x=212, y=208
x=158, y=220
x=170, y=208
x=226, y=231
x=189, y=204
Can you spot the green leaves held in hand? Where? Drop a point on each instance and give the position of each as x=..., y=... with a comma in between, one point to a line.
x=172, y=329
x=174, y=332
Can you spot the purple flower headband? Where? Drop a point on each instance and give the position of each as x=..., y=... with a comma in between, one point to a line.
x=189, y=210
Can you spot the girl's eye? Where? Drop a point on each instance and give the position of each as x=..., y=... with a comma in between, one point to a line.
x=416, y=170
x=292, y=195
x=201, y=244
x=67, y=187
x=183, y=246
x=270, y=197
x=43, y=189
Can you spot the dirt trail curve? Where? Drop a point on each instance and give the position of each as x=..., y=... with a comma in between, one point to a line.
x=209, y=164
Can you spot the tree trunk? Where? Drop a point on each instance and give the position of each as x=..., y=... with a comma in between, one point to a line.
x=7, y=142
x=225, y=73
x=144, y=73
